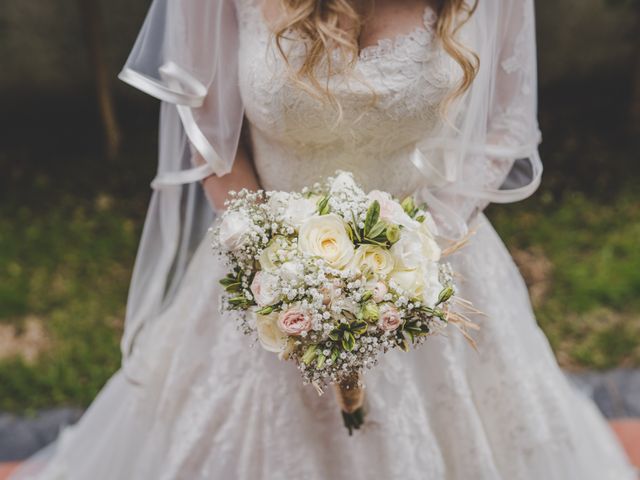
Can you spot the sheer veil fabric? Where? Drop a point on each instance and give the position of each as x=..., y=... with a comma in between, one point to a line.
x=186, y=55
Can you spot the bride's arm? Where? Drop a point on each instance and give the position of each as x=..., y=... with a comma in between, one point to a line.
x=242, y=175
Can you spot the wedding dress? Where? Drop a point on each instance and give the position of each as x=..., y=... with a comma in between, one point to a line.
x=214, y=405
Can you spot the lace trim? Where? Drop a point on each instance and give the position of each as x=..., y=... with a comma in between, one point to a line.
x=422, y=35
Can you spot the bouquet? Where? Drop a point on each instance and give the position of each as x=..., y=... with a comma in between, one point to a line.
x=332, y=277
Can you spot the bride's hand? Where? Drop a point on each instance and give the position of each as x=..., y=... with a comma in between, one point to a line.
x=242, y=175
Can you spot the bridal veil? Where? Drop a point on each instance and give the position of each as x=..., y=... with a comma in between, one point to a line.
x=186, y=56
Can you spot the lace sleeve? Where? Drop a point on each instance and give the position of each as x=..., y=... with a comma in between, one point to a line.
x=489, y=152
x=513, y=116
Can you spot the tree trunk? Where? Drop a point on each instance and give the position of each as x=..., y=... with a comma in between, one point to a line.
x=92, y=26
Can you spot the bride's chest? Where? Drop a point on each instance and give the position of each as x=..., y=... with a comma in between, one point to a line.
x=398, y=83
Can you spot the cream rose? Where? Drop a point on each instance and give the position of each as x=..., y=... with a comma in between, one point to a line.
x=264, y=289
x=294, y=321
x=270, y=336
x=373, y=258
x=233, y=230
x=326, y=237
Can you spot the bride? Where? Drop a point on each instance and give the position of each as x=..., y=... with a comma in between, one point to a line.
x=431, y=97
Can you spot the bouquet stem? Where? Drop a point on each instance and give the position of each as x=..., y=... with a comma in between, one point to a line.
x=350, y=396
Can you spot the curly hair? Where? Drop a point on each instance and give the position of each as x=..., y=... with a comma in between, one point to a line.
x=317, y=22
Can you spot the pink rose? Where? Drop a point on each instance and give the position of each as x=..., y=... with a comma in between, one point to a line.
x=379, y=291
x=264, y=289
x=389, y=318
x=294, y=321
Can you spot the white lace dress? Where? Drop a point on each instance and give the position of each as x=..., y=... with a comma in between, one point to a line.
x=214, y=408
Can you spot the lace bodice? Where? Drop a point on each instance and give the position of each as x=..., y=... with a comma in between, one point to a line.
x=389, y=102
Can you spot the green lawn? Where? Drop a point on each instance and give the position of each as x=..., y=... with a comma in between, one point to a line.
x=590, y=303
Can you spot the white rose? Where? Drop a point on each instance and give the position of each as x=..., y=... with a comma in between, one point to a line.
x=291, y=272
x=429, y=225
x=423, y=282
x=270, y=336
x=298, y=210
x=430, y=247
x=407, y=251
x=270, y=257
x=264, y=288
x=411, y=281
x=432, y=285
x=373, y=258
x=391, y=211
x=326, y=237
x=233, y=230
x=414, y=248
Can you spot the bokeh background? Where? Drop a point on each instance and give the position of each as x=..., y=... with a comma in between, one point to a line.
x=78, y=149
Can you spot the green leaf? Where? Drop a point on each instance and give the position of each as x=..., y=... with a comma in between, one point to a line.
x=358, y=328
x=239, y=300
x=408, y=205
x=348, y=341
x=323, y=205
x=354, y=227
x=334, y=355
x=309, y=354
x=233, y=288
x=349, y=316
x=373, y=214
x=228, y=280
x=350, y=232
x=373, y=241
x=377, y=230
x=335, y=335
x=320, y=359
x=265, y=310
x=393, y=233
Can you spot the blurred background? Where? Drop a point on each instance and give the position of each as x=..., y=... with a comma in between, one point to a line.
x=78, y=150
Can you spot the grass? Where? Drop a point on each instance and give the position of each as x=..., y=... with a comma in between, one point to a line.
x=591, y=309
x=70, y=222
x=69, y=269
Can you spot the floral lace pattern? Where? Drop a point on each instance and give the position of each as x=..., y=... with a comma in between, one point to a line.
x=408, y=76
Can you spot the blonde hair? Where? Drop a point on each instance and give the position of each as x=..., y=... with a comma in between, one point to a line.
x=317, y=22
